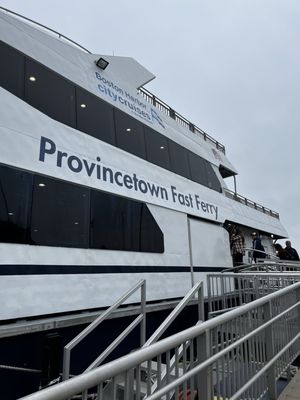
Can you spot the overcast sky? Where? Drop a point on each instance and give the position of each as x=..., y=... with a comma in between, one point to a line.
x=230, y=66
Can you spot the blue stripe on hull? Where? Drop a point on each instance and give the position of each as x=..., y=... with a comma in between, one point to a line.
x=96, y=269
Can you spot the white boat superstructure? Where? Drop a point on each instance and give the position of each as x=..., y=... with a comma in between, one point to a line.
x=109, y=187
x=102, y=184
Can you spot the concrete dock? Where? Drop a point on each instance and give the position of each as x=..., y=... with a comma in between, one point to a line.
x=292, y=391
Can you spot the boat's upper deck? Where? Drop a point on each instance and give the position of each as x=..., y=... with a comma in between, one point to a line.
x=118, y=86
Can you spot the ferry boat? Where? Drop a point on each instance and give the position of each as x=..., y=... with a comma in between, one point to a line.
x=101, y=184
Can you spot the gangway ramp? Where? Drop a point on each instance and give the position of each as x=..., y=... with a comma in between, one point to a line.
x=240, y=354
x=227, y=291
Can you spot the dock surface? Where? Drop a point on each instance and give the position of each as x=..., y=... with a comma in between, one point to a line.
x=292, y=391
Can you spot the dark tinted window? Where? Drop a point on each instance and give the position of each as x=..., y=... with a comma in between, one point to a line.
x=152, y=239
x=212, y=179
x=179, y=159
x=60, y=214
x=129, y=134
x=157, y=148
x=11, y=70
x=122, y=224
x=49, y=93
x=198, y=169
x=94, y=116
x=15, y=204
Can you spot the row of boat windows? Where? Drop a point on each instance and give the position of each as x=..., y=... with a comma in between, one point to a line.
x=59, y=99
x=43, y=211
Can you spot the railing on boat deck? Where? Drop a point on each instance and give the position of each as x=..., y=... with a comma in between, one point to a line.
x=243, y=200
x=44, y=27
x=238, y=355
x=162, y=106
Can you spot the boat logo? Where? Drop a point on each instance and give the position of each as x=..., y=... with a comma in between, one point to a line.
x=157, y=118
x=126, y=100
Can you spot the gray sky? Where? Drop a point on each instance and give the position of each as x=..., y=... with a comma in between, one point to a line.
x=230, y=66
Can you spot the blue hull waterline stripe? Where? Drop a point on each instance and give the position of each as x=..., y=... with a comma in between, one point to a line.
x=96, y=269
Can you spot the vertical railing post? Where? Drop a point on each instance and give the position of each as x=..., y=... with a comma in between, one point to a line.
x=201, y=303
x=143, y=312
x=66, y=364
x=209, y=283
x=269, y=343
x=204, y=376
x=298, y=309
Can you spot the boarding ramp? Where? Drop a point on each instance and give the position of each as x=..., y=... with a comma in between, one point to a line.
x=227, y=291
x=238, y=355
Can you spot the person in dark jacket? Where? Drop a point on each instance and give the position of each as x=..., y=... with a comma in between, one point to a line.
x=258, y=248
x=281, y=252
x=292, y=252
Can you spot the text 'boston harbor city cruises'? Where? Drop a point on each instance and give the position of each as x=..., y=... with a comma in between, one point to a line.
x=101, y=185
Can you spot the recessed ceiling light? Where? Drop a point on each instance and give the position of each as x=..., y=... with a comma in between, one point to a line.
x=83, y=105
x=76, y=223
x=128, y=130
x=10, y=213
x=42, y=185
x=162, y=147
x=32, y=78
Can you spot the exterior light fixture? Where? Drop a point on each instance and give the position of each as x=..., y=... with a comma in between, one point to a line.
x=42, y=185
x=83, y=105
x=128, y=130
x=101, y=63
x=32, y=78
x=162, y=147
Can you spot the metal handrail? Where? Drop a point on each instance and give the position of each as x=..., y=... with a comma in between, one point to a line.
x=162, y=106
x=60, y=35
x=177, y=310
x=140, y=319
x=266, y=266
x=93, y=378
x=224, y=352
x=250, y=203
x=227, y=291
x=242, y=267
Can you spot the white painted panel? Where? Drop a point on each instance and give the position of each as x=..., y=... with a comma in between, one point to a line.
x=210, y=245
x=29, y=295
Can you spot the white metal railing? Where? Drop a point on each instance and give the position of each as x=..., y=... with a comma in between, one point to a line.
x=139, y=320
x=196, y=289
x=162, y=106
x=250, y=203
x=228, y=291
x=238, y=355
x=273, y=264
x=44, y=27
